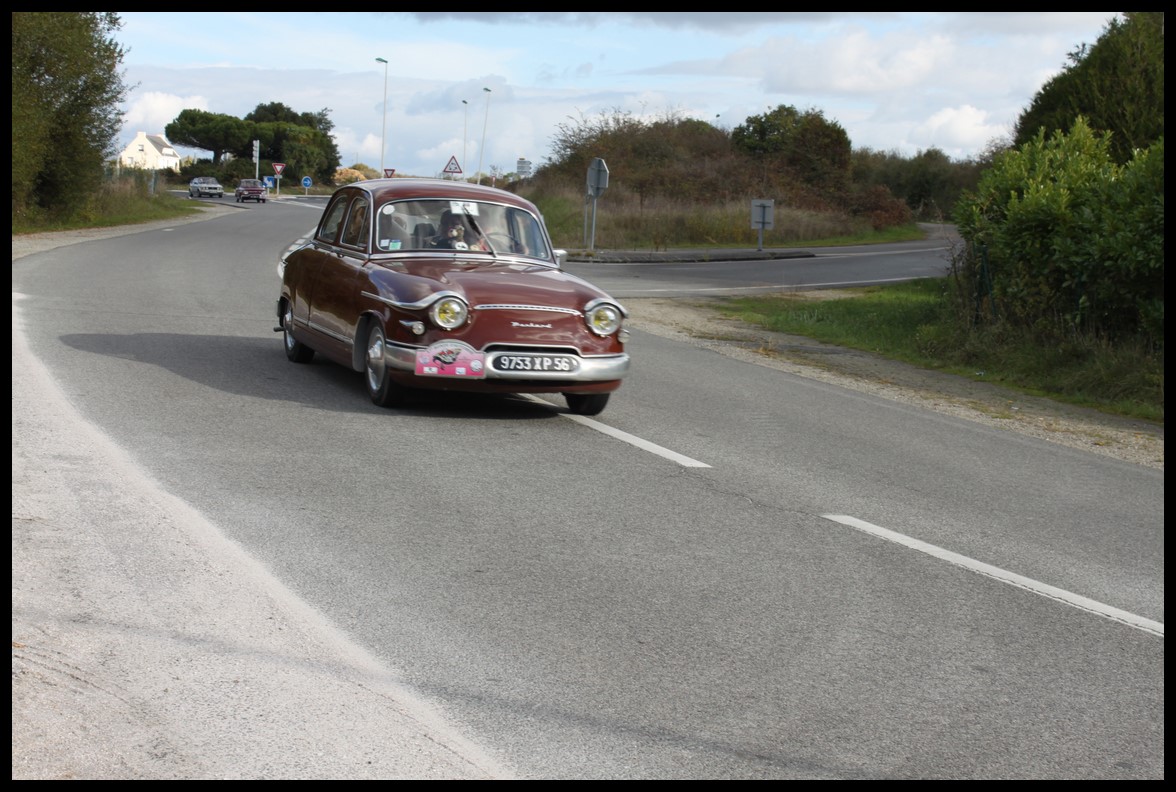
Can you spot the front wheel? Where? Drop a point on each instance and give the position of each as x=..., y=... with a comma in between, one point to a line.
x=586, y=403
x=296, y=351
x=380, y=387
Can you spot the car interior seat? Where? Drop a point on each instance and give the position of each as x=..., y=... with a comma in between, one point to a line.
x=422, y=234
x=392, y=234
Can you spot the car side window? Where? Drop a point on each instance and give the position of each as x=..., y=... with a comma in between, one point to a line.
x=358, y=222
x=333, y=218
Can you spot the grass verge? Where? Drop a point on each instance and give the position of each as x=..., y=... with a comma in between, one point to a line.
x=914, y=322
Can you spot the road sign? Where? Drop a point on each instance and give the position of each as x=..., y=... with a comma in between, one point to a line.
x=270, y=181
x=306, y=181
x=453, y=167
x=279, y=167
x=762, y=213
x=597, y=177
x=762, y=210
x=389, y=173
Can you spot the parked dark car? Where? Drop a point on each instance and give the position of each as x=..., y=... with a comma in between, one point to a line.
x=250, y=190
x=205, y=186
x=430, y=284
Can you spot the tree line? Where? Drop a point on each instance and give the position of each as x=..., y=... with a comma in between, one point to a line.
x=302, y=141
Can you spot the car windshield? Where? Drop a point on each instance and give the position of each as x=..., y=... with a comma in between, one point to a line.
x=473, y=226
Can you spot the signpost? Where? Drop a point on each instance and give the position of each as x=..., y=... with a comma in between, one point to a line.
x=452, y=168
x=278, y=168
x=762, y=217
x=306, y=182
x=597, y=184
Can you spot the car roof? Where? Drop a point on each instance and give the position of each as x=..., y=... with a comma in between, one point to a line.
x=383, y=190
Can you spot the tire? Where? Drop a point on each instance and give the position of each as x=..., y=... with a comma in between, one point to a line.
x=380, y=387
x=587, y=403
x=296, y=351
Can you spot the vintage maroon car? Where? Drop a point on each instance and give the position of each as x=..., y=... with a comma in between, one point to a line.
x=250, y=190
x=430, y=284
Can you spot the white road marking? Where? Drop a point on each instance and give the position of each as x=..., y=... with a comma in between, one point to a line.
x=632, y=440
x=1011, y=578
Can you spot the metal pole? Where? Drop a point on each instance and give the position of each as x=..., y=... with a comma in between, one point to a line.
x=465, y=133
x=592, y=243
x=384, y=115
x=482, y=149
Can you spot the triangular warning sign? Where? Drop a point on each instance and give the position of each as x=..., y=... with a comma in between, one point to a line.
x=279, y=167
x=452, y=167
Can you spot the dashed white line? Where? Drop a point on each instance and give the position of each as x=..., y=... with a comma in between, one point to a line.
x=1004, y=576
x=632, y=440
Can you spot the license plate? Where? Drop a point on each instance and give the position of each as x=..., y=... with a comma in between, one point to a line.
x=556, y=364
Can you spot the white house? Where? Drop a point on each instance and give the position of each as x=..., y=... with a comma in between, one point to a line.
x=150, y=152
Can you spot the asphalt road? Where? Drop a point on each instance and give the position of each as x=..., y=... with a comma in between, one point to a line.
x=228, y=566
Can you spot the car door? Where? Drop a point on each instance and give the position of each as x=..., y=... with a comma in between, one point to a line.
x=335, y=281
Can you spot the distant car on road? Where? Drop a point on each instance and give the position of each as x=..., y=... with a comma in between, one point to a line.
x=205, y=186
x=429, y=284
x=250, y=190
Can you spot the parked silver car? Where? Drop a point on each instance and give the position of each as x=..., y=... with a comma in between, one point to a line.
x=205, y=186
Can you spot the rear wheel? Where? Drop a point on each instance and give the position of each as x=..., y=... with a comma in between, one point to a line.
x=587, y=403
x=296, y=351
x=383, y=391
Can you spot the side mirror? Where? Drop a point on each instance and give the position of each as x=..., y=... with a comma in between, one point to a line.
x=561, y=257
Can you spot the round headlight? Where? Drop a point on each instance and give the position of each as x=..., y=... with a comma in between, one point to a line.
x=449, y=312
x=604, y=319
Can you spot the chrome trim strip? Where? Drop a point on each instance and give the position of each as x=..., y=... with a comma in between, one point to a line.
x=320, y=329
x=511, y=307
x=419, y=305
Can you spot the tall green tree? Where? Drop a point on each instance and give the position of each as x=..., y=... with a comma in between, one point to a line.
x=215, y=132
x=812, y=148
x=317, y=153
x=1117, y=85
x=66, y=91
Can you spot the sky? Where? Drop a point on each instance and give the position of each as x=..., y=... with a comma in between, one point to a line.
x=487, y=89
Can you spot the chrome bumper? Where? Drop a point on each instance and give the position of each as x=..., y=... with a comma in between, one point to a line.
x=592, y=369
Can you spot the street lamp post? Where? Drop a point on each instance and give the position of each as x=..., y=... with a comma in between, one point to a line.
x=383, y=114
x=465, y=132
x=482, y=148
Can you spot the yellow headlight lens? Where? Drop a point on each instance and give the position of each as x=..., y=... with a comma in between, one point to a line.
x=449, y=312
x=604, y=319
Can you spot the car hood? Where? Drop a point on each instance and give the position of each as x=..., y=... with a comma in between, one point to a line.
x=482, y=283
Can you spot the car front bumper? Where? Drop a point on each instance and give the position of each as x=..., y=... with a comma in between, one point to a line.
x=601, y=368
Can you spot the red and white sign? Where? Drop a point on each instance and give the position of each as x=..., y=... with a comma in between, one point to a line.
x=453, y=167
x=279, y=167
x=389, y=173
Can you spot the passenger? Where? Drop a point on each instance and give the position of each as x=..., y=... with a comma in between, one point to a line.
x=456, y=234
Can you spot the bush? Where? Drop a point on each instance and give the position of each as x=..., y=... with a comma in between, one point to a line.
x=1064, y=240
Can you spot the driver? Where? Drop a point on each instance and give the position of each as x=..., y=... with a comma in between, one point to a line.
x=456, y=234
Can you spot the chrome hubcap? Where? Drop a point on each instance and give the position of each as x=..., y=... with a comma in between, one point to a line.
x=375, y=361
